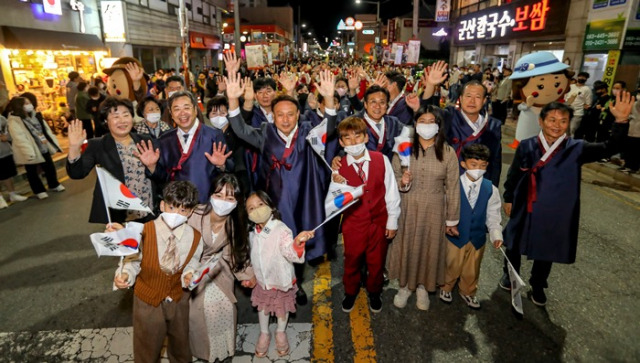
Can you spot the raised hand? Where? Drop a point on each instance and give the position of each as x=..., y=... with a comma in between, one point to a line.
x=147, y=155
x=622, y=107
x=235, y=85
x=327, y=87
x=354, y=82
x=217, y=156
x=231, y=62
x=413, y=101
x=135, y=72
x=249, y=94
x=76, y=135
x=381, y=80
x=437, y=73
x=222, y=84
x=288, y=81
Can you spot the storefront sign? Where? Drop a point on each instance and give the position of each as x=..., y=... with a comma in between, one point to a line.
x=604, y=34
x=521, y=19
x=391, y=31
x=443, y=7
x=52, y=7
x=113, y=21
x=599, y=4
x=368, y=32
x=203, y=41
x=610, y=69
x=422, y=23
x=632, y=39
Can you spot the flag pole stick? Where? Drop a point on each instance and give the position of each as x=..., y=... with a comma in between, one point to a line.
x=335, y=214
x=121, y=265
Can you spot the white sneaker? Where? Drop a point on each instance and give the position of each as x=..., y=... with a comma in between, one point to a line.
x=422, y=298
x=471, y=301
x=446, y=296
x=42, y=195
x=400, y=300
x=3, y=203
x=15, y=197
x=59, y=188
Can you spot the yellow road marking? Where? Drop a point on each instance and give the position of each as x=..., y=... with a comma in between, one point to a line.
x=361, y=333
x=322, y=317
x=614, y=196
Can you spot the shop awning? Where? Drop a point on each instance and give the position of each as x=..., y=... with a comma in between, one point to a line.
x=26, y=38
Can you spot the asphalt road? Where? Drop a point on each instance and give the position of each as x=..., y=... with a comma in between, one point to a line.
x=52, y=280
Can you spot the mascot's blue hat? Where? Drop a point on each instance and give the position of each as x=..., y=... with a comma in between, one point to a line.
x=536, y=64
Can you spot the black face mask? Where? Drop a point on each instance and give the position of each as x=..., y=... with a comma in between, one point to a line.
x=582, y=80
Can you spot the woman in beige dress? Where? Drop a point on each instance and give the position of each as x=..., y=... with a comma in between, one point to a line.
x=430, y=202
x=212, y=314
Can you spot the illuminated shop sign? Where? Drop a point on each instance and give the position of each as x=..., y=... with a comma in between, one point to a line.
x=522, y=19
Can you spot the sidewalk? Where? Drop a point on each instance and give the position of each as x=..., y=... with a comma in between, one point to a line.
x=610, y=169
x=59, y=159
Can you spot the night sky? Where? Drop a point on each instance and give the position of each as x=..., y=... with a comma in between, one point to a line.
x=322, y=16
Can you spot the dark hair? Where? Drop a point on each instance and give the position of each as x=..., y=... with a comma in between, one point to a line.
x=16, y=107
x=93, y=91
x=476, y=151
x=583, y=74
x=82, y=85
x=73, y=75
x=440, y=136
x=111, y=103
x=622, y=83
x=263, y=82
x=264, y=197
x=180, y=194
x=600, y=85
x=32, y=98
x=320, y=97
x=179, y=94
x=474, y=82
x=174, y=79
x=562, y=107
x=352, y=123
x=375, y=89
x=301, y=86
x=216, y=102
x=340, y=78
x=397, y=78
x=143, y=104
x=283, y=98
x=236, y=225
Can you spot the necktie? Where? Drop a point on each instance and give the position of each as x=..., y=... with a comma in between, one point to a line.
x=379, y=126
x=170, y=262
x=186, y=138
x=360, y=171
x=472, y=196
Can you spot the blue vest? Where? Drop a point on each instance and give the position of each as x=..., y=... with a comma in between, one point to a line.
x=472, y=226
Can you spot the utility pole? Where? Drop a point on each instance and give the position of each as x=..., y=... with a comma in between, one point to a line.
x=416, y=12
x=183, y=22
x=236, y=28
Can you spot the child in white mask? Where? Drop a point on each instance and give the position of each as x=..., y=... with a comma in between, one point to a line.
x=273, y=253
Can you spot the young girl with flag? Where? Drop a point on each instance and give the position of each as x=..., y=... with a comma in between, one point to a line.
x=273, y=253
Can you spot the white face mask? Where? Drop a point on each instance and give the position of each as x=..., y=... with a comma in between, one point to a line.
x=171, y=93
x=476, y=174
x=222, y=207
x=219, y=121
x=153, y=117
x=341, y=91
x=173, y=220
x=355, y=150
x=260, y=214
x=614, y=92
x=427, y=131
x=28, y=108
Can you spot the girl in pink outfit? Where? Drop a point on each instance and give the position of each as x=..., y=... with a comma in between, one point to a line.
x=273, y=253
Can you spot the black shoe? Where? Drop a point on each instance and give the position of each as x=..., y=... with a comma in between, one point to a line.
x=538, y=297
x=301, y=296
x=348, y=302
x=375, y=303
x=505, y=282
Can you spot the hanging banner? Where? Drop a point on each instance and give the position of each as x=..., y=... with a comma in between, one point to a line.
x=612, y=66
x=391, y=31
x=255, y=56
x=52, y=7
x=113, y=21
x=413, y=52
x=443, y=8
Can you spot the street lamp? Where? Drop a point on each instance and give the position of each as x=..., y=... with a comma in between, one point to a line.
x=304, y=25
x=377, y=7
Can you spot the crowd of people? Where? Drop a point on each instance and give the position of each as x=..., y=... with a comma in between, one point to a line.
x=230, y=165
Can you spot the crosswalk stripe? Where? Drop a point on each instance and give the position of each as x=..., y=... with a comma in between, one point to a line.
x=361, y=334
x=322, y=315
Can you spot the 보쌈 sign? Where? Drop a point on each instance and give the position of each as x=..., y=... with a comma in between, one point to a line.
x=521, y=19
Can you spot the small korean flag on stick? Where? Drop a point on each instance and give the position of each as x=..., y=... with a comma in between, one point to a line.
x=339, y=198
x=317, y=138
x=117, y=195
x=402, y=147
x=121, y=243
x=202, y=272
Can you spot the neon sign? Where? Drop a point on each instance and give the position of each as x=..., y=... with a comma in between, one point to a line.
x=513, y=20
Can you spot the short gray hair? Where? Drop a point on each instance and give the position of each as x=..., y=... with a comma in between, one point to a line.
x=179, y=94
